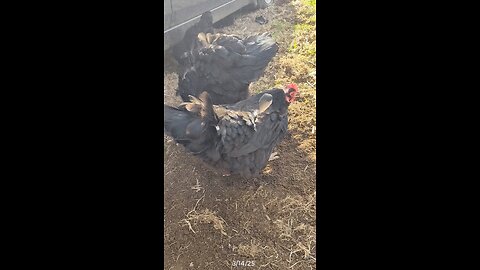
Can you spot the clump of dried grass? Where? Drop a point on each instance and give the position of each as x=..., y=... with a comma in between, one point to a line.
x=249, y=250
x=295, y=226
x=206, y=216
x=304, y=205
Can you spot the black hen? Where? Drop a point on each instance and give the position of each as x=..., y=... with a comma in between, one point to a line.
x=237, y=138
x=224, y=66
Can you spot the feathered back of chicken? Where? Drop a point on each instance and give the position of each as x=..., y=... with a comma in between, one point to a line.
x=225, y=65
x=258, y=51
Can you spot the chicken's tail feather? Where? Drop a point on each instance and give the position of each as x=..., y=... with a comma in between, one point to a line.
x=189, y=42
x=260, y=49
x=206, y=23
x=192, y=124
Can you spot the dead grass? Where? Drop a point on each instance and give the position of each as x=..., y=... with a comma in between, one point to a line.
x=299, y=204
x=295, y=226
x=206, y=216
x=291, y=219
x=251, y=249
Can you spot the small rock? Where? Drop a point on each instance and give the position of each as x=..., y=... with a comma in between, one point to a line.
x=261, y=20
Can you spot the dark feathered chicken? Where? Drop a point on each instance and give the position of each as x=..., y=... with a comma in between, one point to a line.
x=237, y=138
x=224, y=66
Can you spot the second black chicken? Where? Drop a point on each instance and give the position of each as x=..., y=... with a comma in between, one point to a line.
x=224, y=66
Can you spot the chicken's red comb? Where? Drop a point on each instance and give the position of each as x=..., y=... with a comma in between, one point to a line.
x=292, y=85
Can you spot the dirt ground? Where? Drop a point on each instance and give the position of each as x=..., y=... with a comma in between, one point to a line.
x=211, y=221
